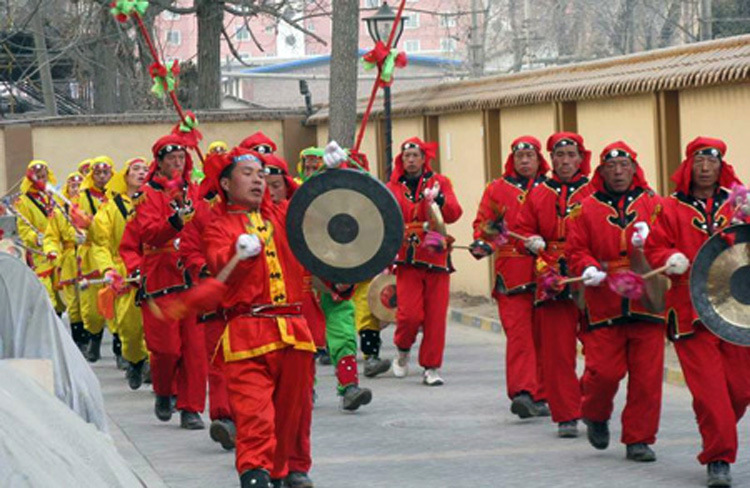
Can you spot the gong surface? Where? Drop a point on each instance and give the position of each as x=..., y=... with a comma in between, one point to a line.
x=720, y=285
x=344, y=226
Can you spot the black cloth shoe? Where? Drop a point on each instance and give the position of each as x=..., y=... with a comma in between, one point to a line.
x=255, y=478
x=296, y=479
x=598, y=434
x=135, y=374
x=277, y=483
x=191, y=421
x=93, y=349
x=147, y=373
x=640, y=452
x=324, y=358
x=523, y=406
x=568, y=429
x=542, y=409
x=224, y=432
x=718, y=474
x=163, y=408
x=375, y=366
x=354, y=397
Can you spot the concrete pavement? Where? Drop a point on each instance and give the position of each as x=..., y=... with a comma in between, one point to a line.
x=461, y=434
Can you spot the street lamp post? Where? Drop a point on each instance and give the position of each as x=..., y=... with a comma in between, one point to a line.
x=379, y=27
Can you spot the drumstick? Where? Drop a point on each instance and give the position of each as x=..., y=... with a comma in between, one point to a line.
x=655, y=272
x=85, y=283
x=28, y=249
x=568, y=281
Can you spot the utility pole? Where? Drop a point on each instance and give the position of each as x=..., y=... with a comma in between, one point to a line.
x=42, y=61
x=706, y=21
x=475, y=46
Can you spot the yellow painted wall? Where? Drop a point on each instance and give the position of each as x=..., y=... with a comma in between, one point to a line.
x=65, y=146
x=722, y=112
x=462, y=160
x=404, y=129
x=535, y=120
x=631, y=119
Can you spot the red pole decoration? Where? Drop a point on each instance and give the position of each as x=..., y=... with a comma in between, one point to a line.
x=378, y=81
x=165, y=78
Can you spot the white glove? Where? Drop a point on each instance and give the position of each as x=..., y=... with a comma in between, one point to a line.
x=333, y=155
x=593, y=277
x=535, y=244
x=678, y=263
x=247, y=246
x=430, y=194
x=80, y=238
x=640, y=235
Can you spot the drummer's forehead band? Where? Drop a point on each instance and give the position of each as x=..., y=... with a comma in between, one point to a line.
x=263, y=149
x=708, y=151
x=521, y=146
x=169, y=148
x=273, y=170
x=565, y=143
x=411, y=145
x=617, y=153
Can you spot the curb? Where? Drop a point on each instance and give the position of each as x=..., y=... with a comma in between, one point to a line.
x=672, y=376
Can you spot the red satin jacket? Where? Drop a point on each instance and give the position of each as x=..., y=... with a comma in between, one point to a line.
x=683, y=225
x=599, y=235
x=415, y=211
x=513, y=264
x=545, y=213
x=152, y=239
x=272, y=280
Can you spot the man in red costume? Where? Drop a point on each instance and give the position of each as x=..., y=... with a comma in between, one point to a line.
x=716, y=372
x=422, y=273
x=525, y=168
x=267, y=347
x=543, y=218
x=150, y=247
x=623, y=336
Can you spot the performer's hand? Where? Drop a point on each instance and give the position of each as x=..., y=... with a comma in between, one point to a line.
x=678, y=263
x=248, y=246
x=39, y=241
x=592, y=276
x=431, y=194
x=80, y=238
x=333, y=155
x=535, y=244
x=480, y=249
x=640, y=235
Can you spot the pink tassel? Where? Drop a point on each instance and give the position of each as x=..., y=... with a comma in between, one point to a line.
x=627, y=284
x=434, y=242
x=550, y=284
x=740, y=202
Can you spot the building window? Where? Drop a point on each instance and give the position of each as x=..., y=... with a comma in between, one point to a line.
x=242, y=33
x=311, y=26
x=411, y=45
x=412, y=21
x=174, y=37
x=270, y=29
x=372, y=3
x=448, y=44
x=447, y=20
x=171, y=15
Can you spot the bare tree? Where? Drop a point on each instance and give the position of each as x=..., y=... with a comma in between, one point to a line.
x=344, y=68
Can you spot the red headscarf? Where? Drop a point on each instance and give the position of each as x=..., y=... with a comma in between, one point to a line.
x=510, y=167
x=684, y=174
x=170, y=140
x=258, y=142
x=639, y=178
x=224, y=160
x=554, y=139
x=429, y=149
x=277, y=165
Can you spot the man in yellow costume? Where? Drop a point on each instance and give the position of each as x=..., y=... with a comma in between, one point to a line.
x=35, y=206
x=60, y=241
x=92, y=197
x=105, y=235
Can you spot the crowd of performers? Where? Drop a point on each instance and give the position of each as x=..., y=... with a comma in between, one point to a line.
x=197, y=283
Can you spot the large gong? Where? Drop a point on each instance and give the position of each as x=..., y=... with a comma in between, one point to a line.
x=344, y=226
x=720, y=284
